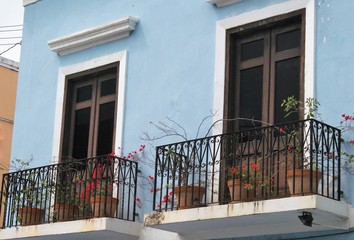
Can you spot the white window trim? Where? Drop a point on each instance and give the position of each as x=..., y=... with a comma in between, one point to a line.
x=91, y=37
x=222, y=3
x=220, y=49
x=120, y=57
x=28, y=2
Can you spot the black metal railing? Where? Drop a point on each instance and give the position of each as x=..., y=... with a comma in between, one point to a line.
x=277, y=161
x=103, y=186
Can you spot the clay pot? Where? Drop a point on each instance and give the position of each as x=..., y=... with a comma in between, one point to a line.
x=66, y=212
x=299, y=181
x=238, y=193
x=30, y=216
x=103, y=206
x=189, y=196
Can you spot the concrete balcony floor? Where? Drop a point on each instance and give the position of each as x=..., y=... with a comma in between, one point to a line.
x=90, y=229
x=267, y=217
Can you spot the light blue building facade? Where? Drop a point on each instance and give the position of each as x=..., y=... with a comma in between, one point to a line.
x=178, y=60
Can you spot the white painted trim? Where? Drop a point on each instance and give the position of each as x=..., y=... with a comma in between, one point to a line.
x=80, y=229
x=220, y=48
x=120, y=57
x=222, y=3
x=7, y=63
x=28, y=2
x=91, y=37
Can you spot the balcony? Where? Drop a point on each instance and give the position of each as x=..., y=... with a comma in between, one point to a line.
x=95, y=193
x=251, y=182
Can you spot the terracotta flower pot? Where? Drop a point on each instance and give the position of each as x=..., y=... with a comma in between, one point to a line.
x=30, y=216
x=66, y=212
x=238, y=193
x=299, y=181
x=103, y=206
x=184, y=195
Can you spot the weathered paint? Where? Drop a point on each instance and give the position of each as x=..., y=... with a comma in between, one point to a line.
x=170, y=69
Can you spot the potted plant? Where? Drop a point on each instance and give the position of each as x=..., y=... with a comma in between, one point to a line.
x=188, y=194
x=31, y=198
x=245, y=182
x=99, y=190
x=303, y=175
x=66, y=201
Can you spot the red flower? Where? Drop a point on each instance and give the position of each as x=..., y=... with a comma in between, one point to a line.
x=112, y=154
x=138, y=199
x=151, y=178
x=234, y=170
x=351, y=141
x=254, y=165
x=281, y=130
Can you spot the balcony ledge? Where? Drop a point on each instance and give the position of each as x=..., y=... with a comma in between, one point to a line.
x=98, y=228
x=276, y=216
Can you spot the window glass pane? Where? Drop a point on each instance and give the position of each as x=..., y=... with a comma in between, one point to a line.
x=251, y=97
x=288, y=40
x=81, y=133
x=287, y=83
x=105, y=128
x=84, y=93
x=251, y=50
x=108, y=87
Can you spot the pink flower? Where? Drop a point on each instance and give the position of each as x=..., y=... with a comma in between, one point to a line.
x=112, y=154
x=281, y=130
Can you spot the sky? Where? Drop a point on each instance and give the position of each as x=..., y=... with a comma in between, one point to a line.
x=11, y=13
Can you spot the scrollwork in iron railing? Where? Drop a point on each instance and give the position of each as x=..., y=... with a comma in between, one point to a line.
x=275, y=151
x=64, y=191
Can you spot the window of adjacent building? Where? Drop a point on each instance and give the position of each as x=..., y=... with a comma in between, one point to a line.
x=90, y=110
x=265, y=65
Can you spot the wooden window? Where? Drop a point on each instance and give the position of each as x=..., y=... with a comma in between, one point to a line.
x=89, y=121
x=265, y=65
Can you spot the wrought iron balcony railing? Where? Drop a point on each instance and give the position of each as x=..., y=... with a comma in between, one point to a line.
x=103, y=186
x=277, y=161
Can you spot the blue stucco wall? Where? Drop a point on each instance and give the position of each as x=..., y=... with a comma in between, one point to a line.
x=170, y=68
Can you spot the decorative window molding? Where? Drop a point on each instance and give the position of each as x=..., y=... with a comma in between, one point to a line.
x=222, y=3
x=28, y=2
x=63, y=74
x=271, y=11
x=112, y=31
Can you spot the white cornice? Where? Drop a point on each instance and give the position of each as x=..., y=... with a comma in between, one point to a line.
x=112, y=31
x=7, y=63
x=28, y=2
x=222, y=3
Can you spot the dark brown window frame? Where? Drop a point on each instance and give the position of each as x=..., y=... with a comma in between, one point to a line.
x=252, y=30
x=69, y=106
